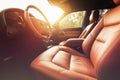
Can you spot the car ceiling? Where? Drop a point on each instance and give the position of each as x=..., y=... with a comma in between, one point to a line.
x=75, y=5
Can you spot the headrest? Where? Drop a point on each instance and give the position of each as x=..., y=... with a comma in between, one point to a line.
x=94, y=16
x=117, y=2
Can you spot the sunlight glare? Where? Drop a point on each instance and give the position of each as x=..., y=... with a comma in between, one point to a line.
x=54, y=14
x=51, y=12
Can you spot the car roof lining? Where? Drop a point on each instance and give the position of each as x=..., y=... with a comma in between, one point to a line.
x=77, y=5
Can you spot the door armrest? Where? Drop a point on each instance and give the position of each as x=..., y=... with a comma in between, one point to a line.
x=73, y=43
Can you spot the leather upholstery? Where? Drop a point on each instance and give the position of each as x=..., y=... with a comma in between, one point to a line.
x=64, y=63
x=117, y=2
x=93, y=21
x=88, y=42
x=102, y=62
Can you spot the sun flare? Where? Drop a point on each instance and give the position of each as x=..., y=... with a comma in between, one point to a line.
x=51, y=12
x=54, y=14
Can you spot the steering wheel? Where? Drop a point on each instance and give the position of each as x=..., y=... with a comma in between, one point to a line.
x=34, y=27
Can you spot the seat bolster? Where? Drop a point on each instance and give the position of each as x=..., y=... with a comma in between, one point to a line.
x=107, y=67
x=89, y=40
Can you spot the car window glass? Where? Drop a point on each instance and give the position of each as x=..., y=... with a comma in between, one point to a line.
x=72, y=20
x=75, y=19
x=102, y=12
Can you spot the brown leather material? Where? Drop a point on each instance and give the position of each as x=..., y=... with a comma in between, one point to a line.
x=94, y=16
x=103, y=40
x=87, y=30
x=61, y=61
x=73, y=42
x=102, y=47
x=93, y=21
x=87, y=44
x=105, y=52
x=117, y=2
x=108, y=65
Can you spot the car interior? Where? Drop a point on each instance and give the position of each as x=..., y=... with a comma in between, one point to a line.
x=94, y=16
x=32, y=49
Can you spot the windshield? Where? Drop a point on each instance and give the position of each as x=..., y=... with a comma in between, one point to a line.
x=53, y=13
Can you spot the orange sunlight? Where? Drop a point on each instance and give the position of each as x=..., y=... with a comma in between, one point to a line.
x=51, y=12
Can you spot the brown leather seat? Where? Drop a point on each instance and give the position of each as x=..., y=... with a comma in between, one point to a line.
x=93, y=21
x=102, y=46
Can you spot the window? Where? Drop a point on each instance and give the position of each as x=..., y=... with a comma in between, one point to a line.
x=72, y=20
x=102, y=12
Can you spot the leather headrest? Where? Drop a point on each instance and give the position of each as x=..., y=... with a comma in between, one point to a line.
x=94, y=16
x=117, y=2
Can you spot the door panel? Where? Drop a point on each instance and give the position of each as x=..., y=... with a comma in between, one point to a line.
x=69, y=33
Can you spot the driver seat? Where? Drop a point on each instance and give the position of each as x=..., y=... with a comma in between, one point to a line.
x=103, y=47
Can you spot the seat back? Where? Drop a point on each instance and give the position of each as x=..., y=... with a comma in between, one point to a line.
x=93, y=21
x=103, y=46
x=87, y=43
